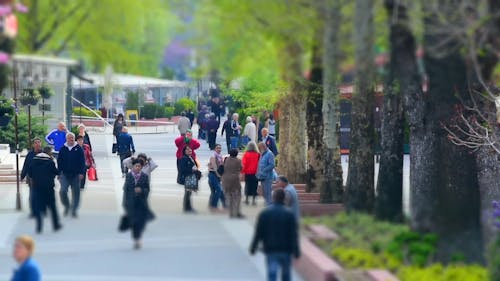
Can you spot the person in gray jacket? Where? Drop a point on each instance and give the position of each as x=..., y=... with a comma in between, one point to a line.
x=183, y=124
x=149, y=164
x=291, y=196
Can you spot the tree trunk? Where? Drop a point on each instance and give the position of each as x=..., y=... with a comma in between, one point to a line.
x=389, y=201
x=360, y=179
x=315, y=156
x=284, y=141
x=332, y=189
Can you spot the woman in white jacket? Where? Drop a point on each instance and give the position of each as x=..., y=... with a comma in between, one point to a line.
x=149, y=164
x=250, y=130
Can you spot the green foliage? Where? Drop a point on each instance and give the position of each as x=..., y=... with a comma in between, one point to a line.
x=45, y=91
x=7, y=134
x=494, y=259
x=29, y=97
x=183, y=104
x=6, y=106
x=152, y=111
x=359, y=258
x=437, y=272
x=82, y=111
x=132, y=102
x=413, y=248
x=169, y=111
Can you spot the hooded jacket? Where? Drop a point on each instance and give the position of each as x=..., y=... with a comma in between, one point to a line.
x=42, y=171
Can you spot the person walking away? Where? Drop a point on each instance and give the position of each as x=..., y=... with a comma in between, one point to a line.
x=212, y=125
x=42, y=172
x=277, y=229
x=148, y=167
x=214, y=179
x=83, y=132
x=201, y=120
x=291, y=196
x=190, y=116
x=188, y=167
x=226, y=127
x=183, y=124
x=71, y=166
x=250, y=131
x=118, y=126
x=265, y=172
x=126, y=148
x=271, y=126
x=231, y=183
x=250, y=164
x=135, y=201
x=180, y=143
x=36, y=148
x=89, y=158
x=28, y=269
x=57, y=137
x=235, y=131
x=270, y=141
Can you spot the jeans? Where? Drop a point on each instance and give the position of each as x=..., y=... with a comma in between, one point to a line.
x=275, y=261
x=66, y=182
x=267, y=191
x=187, y=201
x=211, y=139
x=234, y=142
x=216, y=190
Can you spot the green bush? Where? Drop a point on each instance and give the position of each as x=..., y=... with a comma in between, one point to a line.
x=494, y=259
x=132, y=101
x=152, y=111
x=82, y=111
x=413, y=248
x=169, y=111
x=7, y=134
x=183, y=104
x=437, y=272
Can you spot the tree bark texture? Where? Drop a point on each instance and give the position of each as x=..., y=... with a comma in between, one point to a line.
x=389, y=201
x=360, y=179
x=332, y=189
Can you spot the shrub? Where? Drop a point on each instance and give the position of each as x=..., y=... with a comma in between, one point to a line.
x=7, y=134
x=132, y=101
x=437, y=272
x=152, y=111
x=183, y=104
x=169, y=111
x=82, y=111
x=413, y=248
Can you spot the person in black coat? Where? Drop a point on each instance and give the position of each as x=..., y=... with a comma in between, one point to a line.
x=42, y=172
x=135, y=200
x=226, y=127
x=37, y=148
x=277, y=229
x=118, y=126
x=212, y=126
x=187, y=167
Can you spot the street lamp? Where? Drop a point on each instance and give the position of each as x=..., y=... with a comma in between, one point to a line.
x=16, y=133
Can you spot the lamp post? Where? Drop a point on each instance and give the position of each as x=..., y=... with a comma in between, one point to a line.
x=16, y=133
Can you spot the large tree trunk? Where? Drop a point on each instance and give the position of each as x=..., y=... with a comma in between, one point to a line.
x=360, y=179
x=315, y=156
x=389, y=201
x=444, y=186
x=332, y=189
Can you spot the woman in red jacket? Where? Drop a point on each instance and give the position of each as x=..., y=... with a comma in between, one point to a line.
x=250, y=163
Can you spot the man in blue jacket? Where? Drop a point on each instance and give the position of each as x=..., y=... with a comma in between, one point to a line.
x=265, y=172
x=125, y=148
x=57, y=137
x=71, y=166
x=277, y=229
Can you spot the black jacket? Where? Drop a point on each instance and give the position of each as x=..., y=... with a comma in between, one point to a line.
x=71, y=162
x=277, y=229
x=186, y=166
x=227, y=127
x=42, y=171
x=27, y=163
x=136, y=204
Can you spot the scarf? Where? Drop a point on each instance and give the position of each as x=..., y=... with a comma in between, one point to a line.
x=136, y=176
x=218, y=157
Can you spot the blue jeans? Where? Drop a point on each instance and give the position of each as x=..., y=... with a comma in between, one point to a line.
x=277, y=261
x=234, y=142
x=66, y=182
x=267, y=191
x=216, y=190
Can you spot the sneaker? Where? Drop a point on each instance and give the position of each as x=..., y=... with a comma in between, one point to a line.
x=66, y=212
x=240, y=216
x=74, y=215
x=137, y=245
x=57, y=227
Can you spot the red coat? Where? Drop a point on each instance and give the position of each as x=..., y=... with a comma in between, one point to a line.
x=250, y=162
x=179, y=142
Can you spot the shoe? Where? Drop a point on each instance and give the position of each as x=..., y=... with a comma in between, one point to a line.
x=191, y=211
x=57, y=227
x=137, y=245
x=66, y=212
x=74, y=215
x=240, y=216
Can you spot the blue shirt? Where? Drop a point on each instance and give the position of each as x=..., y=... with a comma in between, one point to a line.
x=56, y=138
x=125, y=143
x=265, y=169
x=292, y=200
x=28, y=271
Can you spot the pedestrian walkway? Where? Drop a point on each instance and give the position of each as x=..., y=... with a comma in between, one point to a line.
x=176, y=246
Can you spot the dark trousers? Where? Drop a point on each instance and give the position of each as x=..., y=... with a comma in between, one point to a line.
x=228, y=143
x=84, y=180
x=277, y=261
x=138, y=229
x=211, y=139
x=124, y=156
x=187, y=200
x=179, y=172
x=42, y=201
x=66, y=182
x=31, y=197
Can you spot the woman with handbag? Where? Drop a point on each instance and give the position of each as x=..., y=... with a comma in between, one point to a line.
x=231, y=183
x=215, y=172
x=89, y=159
x=135, y=201
x=189, y=176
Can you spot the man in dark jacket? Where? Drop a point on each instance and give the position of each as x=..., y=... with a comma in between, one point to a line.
x=37, y=148
x=212, y=127
x=278, y=230
x=226, y=127
x=71, y=165
x=125, y=148
x=42, y=172
x=270, y=141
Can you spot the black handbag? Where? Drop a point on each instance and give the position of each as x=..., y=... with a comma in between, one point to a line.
x=124, y=224
x=114, y=148
x=220, y=170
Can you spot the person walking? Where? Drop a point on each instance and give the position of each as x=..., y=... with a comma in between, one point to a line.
x=82, y=131
x=271, y=126
x=28, y=269
x=187, y=168
x=226, y=127
x=201, y=120
x=36, y=148
x=89, y=158
x=126, y=148
x=265, y=172
x=277, y=229
x=235, y=131
x=291, y=196
x=181, y=142
x=42, y=172
x=118, y=126
x=183, y=124
x=71, y=166
x=148, y=167
x=250, y=131
x=214, y=179
x=270, y=141
x=190, y=116
x=212, y=125
x=57, y=137
x=135, y=201
x=250, y=162
x=231, y=183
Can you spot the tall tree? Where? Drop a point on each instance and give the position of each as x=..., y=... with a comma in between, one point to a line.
x=332, y=189
x=360, y=178
x=402, y=80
